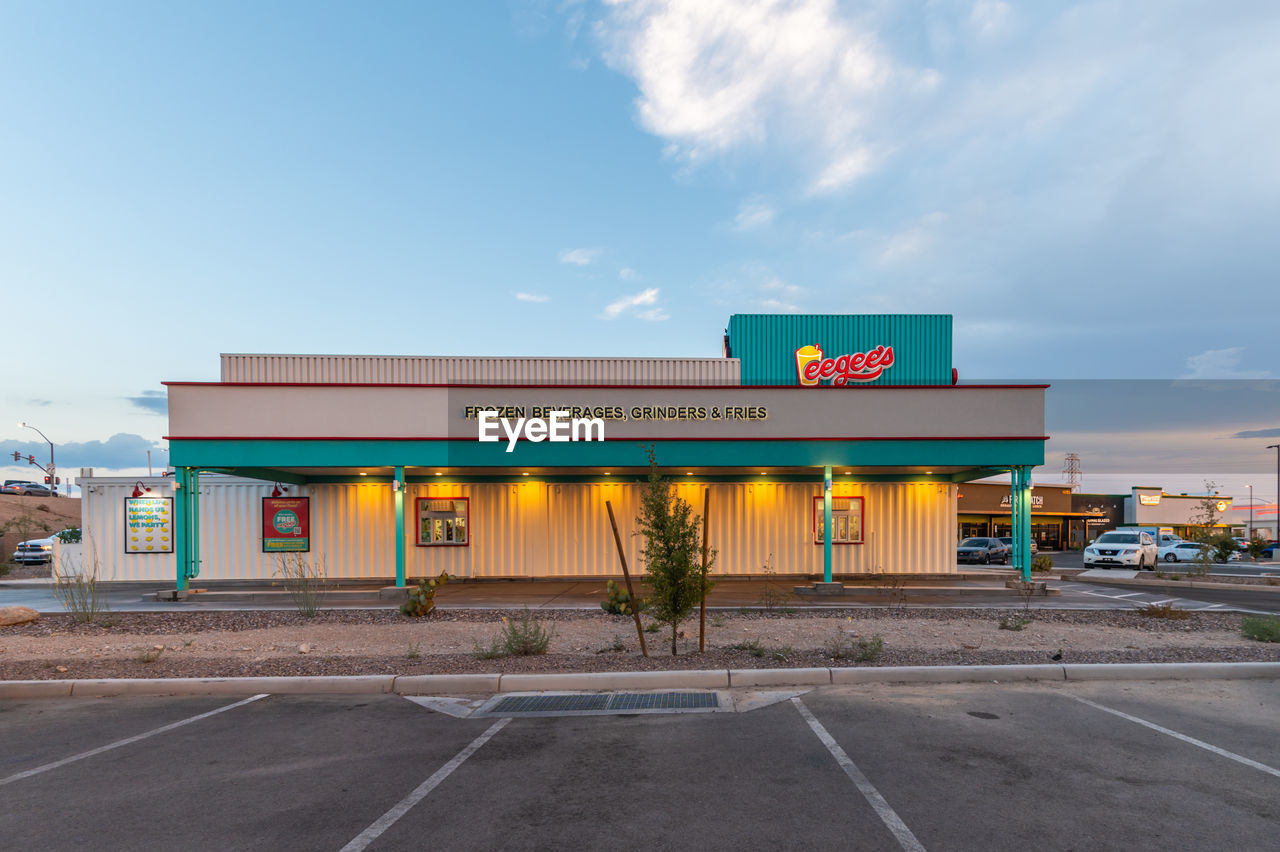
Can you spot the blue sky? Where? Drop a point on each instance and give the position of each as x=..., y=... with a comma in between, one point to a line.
x=1092, y=189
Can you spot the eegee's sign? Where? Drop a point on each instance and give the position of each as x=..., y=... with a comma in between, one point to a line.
x=812, y=367
x=559, y=427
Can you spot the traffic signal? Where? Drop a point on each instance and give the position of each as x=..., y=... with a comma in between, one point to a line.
x=17, y=456
x=46, y=480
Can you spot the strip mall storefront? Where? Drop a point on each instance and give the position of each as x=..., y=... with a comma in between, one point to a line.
x=826, y=446
x=985, y=509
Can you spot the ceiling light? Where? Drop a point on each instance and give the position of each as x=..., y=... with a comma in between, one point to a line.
x=525, y=473
x=438, y=473
x=362, y=473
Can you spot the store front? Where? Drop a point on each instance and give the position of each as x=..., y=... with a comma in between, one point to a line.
x=984, y=509
x=824, y=446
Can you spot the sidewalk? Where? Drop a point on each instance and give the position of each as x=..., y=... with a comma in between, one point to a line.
x=976, y=588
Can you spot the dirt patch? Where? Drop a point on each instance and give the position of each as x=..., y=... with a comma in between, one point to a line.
x=218, y=644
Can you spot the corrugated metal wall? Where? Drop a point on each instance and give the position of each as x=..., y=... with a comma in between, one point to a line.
x=766, y=344
x=396, y=369
x=536, y=529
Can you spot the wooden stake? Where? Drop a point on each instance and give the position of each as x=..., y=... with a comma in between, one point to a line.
x=626, y=575
x=702, y=617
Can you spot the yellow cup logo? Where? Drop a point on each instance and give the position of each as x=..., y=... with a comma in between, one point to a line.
x=807, y=355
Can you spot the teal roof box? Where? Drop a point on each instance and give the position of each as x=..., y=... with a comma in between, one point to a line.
x=841, y=349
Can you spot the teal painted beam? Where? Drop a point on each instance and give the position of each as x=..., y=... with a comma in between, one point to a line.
x=181, y=519
x=275, y=454
x=265, y=474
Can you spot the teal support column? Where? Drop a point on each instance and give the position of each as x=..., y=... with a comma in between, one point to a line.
x=1021, y=505
x=181, y=520
x=826, y=524
x=399, y=487
x=193, y=565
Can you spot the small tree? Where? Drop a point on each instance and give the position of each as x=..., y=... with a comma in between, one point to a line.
x=1205, y=517
x=672, y=554
x=25, y=524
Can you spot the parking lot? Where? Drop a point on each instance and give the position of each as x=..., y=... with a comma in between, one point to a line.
x=966, y=766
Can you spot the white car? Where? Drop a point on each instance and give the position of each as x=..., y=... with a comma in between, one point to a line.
x=34, y=551
x=1123, y=549
x=1183, y=551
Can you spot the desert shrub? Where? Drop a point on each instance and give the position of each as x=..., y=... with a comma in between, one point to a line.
x=619, y=600
x=70, y=536
x=422, y=598
x=845, y=647
x=77, y=589
x=751, y=646
x=1264, y=628
x=525, y=637
x=1042, y=564
x=1165, y=610
x=303, y=579
x=1014, y=622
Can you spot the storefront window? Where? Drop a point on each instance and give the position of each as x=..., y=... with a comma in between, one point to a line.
x=846, y=520
x=443, y=521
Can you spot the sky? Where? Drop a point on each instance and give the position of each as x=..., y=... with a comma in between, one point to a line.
x=1092, y=190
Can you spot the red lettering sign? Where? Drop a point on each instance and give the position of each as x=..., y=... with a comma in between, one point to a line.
x=812, y=366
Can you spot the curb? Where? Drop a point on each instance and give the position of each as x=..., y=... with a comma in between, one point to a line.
x=608, y=681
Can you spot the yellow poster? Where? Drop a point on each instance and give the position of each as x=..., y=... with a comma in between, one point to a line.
x=148, y=525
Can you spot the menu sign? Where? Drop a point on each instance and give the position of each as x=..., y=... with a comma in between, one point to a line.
x=286, y=524
x=148, y=525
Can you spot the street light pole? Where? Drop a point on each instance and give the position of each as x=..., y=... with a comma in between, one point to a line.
x=1276, y=532
x=52, y=470
x=1249, y=535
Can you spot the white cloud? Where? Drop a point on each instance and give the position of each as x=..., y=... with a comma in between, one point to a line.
x=753, y=213
x=617, y=308
x=580, y=256
x=991, y=18
x=1220, y=364
x=532, y=297
x=654, y=315
x=626, y=273
x=717, y=74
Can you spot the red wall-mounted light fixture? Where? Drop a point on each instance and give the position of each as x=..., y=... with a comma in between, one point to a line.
x=279, y=489
x=139, y=489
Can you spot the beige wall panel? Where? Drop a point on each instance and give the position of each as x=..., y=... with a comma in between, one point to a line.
x=102, y=527
x=444, y=370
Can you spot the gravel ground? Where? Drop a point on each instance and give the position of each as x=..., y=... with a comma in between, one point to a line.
x=347, y=642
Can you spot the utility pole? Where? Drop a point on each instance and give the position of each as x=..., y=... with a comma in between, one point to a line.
x=51, y=471
x=1276, y=532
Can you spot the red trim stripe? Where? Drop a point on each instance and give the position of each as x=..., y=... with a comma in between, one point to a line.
x=615, y=440
x=595, y=387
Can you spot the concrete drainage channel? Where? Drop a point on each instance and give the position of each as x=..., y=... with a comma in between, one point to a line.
x=561, y=704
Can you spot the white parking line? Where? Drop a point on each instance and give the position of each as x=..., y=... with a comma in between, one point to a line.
x=373, y=832
x=1183, y=737
x=127, y=741
x=1129, y=595
x=887, y=814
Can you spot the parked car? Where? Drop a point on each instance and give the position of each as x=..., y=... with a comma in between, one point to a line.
x=1268, y=552
x=33, y=489
x=1184, y=551
x=982, y=551
x=35, y=551
x=1123, y=548
x=1007, y=541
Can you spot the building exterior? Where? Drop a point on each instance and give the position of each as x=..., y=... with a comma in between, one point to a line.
x=827, y=445
x=986, y=509
x=1186, y=514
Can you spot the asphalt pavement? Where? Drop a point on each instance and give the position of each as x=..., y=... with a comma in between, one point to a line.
x=1180, y=765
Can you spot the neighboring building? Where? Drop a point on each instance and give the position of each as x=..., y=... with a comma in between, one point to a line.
x=1096, y=514
x=1186, y=514
x=984, y=509
x=374, y=465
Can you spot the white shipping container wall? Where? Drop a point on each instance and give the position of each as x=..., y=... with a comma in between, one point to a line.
x=103, y=533
x=535, y=529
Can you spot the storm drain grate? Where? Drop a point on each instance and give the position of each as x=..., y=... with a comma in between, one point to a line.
x=663, y=700
x=550, y=703
x=616, y=703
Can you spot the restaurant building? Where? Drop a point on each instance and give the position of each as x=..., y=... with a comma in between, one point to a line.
x=986, y=509
x=824, y=445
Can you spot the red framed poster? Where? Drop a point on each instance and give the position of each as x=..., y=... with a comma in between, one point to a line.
x=286, y=524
